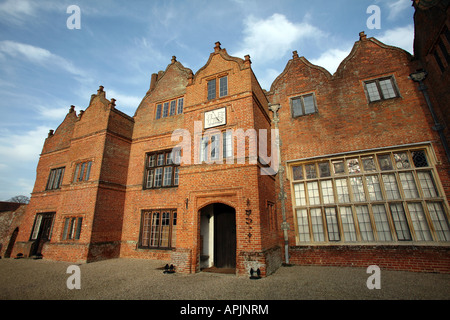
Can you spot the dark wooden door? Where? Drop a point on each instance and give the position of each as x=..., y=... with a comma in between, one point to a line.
x=43, y=235
x=224, y=237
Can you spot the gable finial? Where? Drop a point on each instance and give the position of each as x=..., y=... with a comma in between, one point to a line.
x=217, y=48
x=362, y=36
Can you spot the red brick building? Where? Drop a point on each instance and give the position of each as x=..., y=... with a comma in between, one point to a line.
x=362, y=179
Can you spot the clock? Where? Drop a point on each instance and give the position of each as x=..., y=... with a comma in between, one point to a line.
x=215, y=118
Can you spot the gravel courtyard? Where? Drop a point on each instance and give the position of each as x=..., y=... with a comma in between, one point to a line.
x=132, y=279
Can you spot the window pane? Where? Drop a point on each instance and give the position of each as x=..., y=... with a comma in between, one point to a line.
x=80, y=177
x=152, y=160
x=401, y=160
x=71, y=228
x=408, y=185
x=327, y=191
x=37, y=226
x=310, y=171
x=51, y=179
x=211, y=89
x=227, y=144
x=165, y=229
x=78, y=231
x=58, y=178
x=297, y=172
x=154, y=235
x=313, y=193
x=369, y=164
x=180, y=106
x=324, y=169
x=338, y=167
x=387, y=89
x=158, y=111
x=174, y=230
x=419, y=222
x=390, y=185
x=427, y=184
x=373, y=186
x=317, y=224
x=358, y=189
x=66, y=228
x=165, y=110
x=440, y=222
x=309, y=104
x=158, y=177
x=88, y=170
x=173, y=105
x=160, y=159
x=400, y=223
x=303, y=225
x=419, y=159
x=385, y=162
x=175, y=176
x=150, y=177
x=365, y=227
x=215, y=151
x=332, y=224
x=353, y=166
x=347, y=223
x=167, y=176
x=223, y=86
x=342, y=190
x=146, y=229
x=75, y=176
x=296, y=105
x=372, y=91
x=204, y=149
x=299, y=192
x=381, y=223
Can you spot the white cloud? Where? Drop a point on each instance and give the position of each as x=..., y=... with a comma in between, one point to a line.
x=331, y=59
x=267, y=78
x=395, y=8
x=269, y=39
x=17, y=11
x=37, y=55
x=402, y=37
x=124, y=102
x=52, y=114
x=21, y=148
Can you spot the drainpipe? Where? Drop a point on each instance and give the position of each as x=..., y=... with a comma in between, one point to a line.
x=419, y=76
x=282, y=196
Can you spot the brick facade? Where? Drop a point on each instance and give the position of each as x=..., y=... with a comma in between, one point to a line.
x=133, y=205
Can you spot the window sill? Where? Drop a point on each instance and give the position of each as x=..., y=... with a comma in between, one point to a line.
x=384, y=100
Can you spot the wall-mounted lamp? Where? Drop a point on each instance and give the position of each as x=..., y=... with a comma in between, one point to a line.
x=186, y=202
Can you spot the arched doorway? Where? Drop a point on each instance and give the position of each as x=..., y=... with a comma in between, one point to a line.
x=218, y=237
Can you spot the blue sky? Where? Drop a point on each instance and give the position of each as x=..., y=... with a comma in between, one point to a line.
x=45, y=67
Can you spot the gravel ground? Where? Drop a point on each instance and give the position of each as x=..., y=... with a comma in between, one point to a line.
x=133, y=279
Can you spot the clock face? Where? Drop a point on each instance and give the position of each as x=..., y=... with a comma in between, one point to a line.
x=215, y=118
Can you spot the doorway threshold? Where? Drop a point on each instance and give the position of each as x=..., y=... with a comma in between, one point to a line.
x=220, y=270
